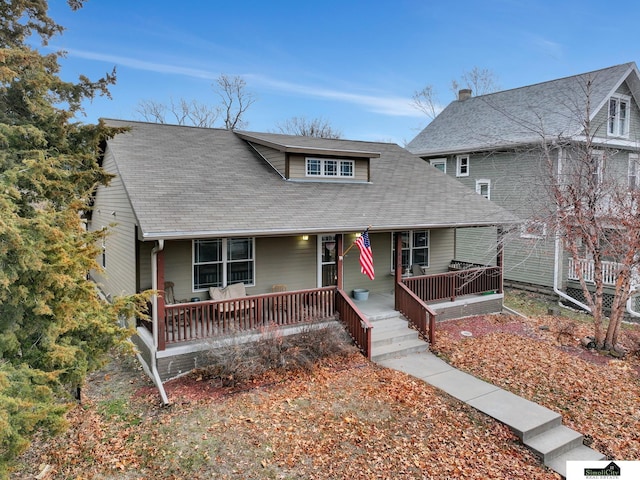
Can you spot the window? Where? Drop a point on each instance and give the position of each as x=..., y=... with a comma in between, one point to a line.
x=533, y=229
x=219, y=262
x=462, y=166
x=483, y=187
x=415, y=248
x=618, y=124
x=597, y=167
x=327, y=167
x=440, y=164
x=634, y=171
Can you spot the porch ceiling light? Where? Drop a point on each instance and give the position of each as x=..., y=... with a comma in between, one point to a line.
x=305, y=237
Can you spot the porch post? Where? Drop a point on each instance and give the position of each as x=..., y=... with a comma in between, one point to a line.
x=340, y=261
x=160, y=302
x=398, y=264
x=499, y=258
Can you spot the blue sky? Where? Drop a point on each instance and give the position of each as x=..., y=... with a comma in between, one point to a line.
x=355, y=64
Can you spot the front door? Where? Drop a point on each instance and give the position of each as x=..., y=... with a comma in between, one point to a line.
x=327, y=269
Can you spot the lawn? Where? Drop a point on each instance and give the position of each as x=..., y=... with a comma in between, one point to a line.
x=348, y=418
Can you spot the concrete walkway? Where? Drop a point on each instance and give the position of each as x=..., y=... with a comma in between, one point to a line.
x=396, y=346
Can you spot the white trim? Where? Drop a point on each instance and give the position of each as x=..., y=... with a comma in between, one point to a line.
x=223, y=262
x=324, y=163
x=616, y=117
x=411, y=247
x=479, y=183
x=439, y=161
x=633, y=171
x=528, y=229
x=459, y=165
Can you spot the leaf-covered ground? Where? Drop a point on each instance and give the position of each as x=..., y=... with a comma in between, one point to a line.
x=348, y=418
x=542, y=360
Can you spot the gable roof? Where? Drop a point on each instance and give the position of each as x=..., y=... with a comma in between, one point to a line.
x=523, y=115
x=188, y=182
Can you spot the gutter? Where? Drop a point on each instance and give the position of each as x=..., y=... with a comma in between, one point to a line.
x=154, y=316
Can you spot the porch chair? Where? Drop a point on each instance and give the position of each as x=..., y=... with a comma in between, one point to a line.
x=170, y=299
x=417, y=269
x=169, y=296
x=279, y=307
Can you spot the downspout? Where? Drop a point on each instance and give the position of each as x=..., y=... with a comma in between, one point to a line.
x=630, y=309
x=556, y=258
x=154, y=317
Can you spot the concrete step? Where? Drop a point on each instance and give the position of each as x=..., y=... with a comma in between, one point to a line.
x=390, y=332
x=580, y=453
x=396, y=349
x=554, y=442
x=527, y=419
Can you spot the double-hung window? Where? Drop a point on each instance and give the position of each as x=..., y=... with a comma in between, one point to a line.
x=462, y=166
x=415, y=248
x=222, y=261
x=618, y=124
x=329, y=167
x=483, y=187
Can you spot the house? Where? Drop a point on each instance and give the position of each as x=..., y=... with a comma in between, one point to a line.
x=241, y=229
x=506, y=146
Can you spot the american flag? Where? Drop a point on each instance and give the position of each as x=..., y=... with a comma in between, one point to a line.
x=366, y=256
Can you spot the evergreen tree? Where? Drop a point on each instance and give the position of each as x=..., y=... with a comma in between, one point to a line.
x=53, y=327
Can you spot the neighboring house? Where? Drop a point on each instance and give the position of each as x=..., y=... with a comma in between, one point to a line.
x=203, y=209
x=498, y=144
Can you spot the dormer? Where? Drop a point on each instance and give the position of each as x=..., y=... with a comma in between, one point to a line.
x=311, y=159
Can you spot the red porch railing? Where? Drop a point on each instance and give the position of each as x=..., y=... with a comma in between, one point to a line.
x=454, y=284
x=418, y=313
x=184, y=322
x=357, y=324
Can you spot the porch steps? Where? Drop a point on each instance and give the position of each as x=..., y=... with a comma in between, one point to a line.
x=538, y=427
x=392, y=337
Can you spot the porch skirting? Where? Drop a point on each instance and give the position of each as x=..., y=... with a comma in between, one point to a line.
x=468, y=306
x=178, y=360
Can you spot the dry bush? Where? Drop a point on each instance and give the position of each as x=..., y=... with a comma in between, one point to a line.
x=242, y=361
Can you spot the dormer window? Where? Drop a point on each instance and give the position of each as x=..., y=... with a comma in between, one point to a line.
x=618, y=125
x=329, y=167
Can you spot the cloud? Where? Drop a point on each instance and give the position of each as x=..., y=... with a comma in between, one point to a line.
x=548, y=47
x=381, y=104
x=386, y=105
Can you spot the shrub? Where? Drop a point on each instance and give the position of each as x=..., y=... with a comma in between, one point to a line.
x=243, y=360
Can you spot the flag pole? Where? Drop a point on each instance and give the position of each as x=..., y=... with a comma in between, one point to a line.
x=354, y=242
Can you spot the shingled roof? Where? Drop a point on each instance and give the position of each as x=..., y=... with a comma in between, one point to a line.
x=523, y=115
x=187, y=182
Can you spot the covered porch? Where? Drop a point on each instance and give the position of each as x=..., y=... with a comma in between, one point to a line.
x=189, y=327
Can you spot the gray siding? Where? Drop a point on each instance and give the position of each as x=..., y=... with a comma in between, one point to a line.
x=599, y=122
x=274, y=157
x=113, y=210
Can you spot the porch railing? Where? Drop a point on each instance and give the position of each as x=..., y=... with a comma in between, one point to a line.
x=183, y=322
x=356, y=323
x=418, y=313
x=450, y=285
x=585, y=269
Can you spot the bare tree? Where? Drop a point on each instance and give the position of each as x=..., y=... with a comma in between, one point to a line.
x=426, y=101
x=316, y=127
x=595, y=210
x=182, y=112
x=479, y=81
x=235, y=100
